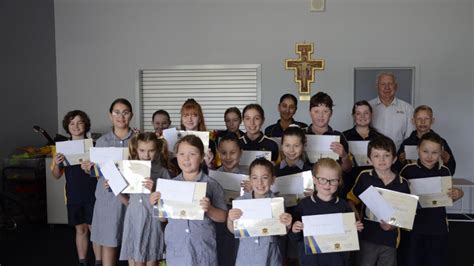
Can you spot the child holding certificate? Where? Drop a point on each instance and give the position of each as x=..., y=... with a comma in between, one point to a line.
x=79, y=187
x=142, y=241
x=254, y=139
x=229, y=151
x=427, y=243
x=320, y=110
x=361, y=132
x=378, y=240
x=193, y=242
x=107, y=222
x=327, y=178
x=423, y=120
x=292, y=145
x=258, y=250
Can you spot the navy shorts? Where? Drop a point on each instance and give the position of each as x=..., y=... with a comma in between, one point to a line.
x=80, y=213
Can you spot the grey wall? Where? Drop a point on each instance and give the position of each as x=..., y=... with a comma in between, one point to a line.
x=101, y=45
x=28, y=73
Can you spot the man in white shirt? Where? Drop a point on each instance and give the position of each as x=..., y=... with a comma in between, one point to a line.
x=391, y=116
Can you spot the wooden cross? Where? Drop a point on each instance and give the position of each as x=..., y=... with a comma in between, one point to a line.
x=304, y=67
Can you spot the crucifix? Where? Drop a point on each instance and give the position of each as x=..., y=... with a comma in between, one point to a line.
x=304, y=68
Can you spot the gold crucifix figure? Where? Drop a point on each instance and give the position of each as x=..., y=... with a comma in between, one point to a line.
x=304, y=67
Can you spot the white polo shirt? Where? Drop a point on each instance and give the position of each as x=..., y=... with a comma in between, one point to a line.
x=394, y=121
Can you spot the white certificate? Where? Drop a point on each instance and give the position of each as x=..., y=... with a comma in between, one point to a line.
x=115, y=179
x=432, y=191
x=179, y=191
x=75, y=151
x=358, y=149
x=404, y=206
x=411, y=153
x=171, y=136
x=203, y=135
x=256, y=209
x=259, y=227
x=377, y=204
x=322, y=225
x=423, y=186
x=135, y=172
x=249, y=156
x=99, y=155
x=337, y=242
x=182, y=210
x=318, y=146
x=230, y=182
x=294, y=183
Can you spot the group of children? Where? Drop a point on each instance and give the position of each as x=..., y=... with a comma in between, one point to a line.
x=126, y=221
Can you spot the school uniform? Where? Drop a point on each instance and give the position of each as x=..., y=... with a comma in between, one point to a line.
x=288, y=248
x=343, y=141
x=193, y=242
x=262, y=251
x=377, y=245
x=262, y=143
x=353, y=135
x=79, y=194
x=276, y=131
x=143, y=238
x=80, y=198
x=427, y=243
x=227, y=244
x=313, y=205
x=414, y=140
x=283, y=168
x=107, y=222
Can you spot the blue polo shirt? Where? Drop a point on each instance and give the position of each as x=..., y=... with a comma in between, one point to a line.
x=429, y=221
x=414, y=140
x=80, y=186
x=276, y=131
x=262, y=143
x=313, y=205
x=372, y=231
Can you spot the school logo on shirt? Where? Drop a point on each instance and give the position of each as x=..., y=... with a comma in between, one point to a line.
x=337, y=246
x=182, y=213
x=264, y=231
x=435, y=202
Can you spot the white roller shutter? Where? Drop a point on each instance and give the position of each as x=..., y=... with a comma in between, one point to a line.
x=215, y=87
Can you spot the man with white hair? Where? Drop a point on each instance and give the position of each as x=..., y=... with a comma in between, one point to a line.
x=391, y=116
